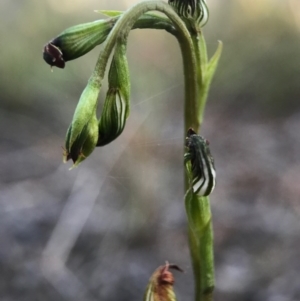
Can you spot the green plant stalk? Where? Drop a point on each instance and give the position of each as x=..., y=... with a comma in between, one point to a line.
x=201, y=244
x=198, y=208
x=201, y=58
x=200, y=229
x=200, y=235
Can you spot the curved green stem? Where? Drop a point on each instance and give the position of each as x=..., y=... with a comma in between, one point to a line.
x=148, y=20
x=121, y=31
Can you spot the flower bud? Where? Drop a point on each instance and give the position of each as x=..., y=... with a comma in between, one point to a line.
x=82, y=135
x=160, y=287
x=113, y=117
x=192, y=11
x=117, y=103
x=203, y=172
x=76, y=41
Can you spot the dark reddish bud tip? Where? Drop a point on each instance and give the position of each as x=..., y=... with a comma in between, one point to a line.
x=53, y=56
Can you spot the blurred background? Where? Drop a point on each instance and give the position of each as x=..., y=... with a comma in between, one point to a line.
x=99, y=231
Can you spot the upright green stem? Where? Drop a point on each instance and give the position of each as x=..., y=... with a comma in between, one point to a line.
x=197, y=207
x=201, y=244
x=202, y=60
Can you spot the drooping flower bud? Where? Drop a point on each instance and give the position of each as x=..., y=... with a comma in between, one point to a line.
x=82, y=135
x=192, y=11
x=113, y=117
x=76, y=41
x=203, y=172
x=117, y=103
x=160, y=286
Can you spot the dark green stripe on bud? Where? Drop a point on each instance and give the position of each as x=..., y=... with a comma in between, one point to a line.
x=77, y=41
x=193, y=11
x=82, y=135
x=203, y=174
x=117, y=102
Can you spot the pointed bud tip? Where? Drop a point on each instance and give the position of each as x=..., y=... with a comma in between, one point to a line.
x=76, y=161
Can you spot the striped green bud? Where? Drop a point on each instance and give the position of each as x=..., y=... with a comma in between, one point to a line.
x=160, y=286
x=192, y=11
x=76, y=41
x=113, y=117
x=82, y=135
x=203, y=174
x=117, y=102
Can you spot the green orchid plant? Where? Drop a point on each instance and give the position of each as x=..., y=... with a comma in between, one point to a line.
x=184, y=20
